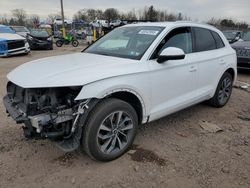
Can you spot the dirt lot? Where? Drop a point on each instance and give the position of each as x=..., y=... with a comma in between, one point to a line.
x=172, y=152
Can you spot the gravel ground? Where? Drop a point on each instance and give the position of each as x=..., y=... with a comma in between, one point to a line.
x=171, y=152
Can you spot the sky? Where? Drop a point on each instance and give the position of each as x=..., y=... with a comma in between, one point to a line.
x=198, y=10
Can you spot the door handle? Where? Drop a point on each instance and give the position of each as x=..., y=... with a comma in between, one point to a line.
x=192, y=69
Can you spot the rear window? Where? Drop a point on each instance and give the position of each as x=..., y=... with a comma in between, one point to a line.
x=218, y=40
x=204, y=40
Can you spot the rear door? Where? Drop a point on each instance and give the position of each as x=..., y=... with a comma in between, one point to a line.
x=209, y=51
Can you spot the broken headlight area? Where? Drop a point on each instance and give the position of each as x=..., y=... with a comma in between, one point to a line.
x=45, y=112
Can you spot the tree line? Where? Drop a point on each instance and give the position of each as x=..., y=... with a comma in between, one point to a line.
x=228, y=23
x=20, y=17
x=147, y=14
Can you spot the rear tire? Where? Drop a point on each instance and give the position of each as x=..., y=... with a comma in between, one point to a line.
x=75, y=43
x=223, y=91
x=110, y=130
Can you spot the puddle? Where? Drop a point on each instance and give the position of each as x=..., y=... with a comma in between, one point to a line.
x=143, y=155
x=65, y=160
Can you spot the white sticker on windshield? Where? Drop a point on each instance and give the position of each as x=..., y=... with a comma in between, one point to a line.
x=148, y=32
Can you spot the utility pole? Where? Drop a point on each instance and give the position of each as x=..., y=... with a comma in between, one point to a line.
x=63, y=25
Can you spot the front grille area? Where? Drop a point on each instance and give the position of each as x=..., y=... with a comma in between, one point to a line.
x=15, y=44
x=3, y=47
x=241, y=52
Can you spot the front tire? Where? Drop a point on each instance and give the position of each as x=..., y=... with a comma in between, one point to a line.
x=59, y=43
x=110, y=130
x=223, y=91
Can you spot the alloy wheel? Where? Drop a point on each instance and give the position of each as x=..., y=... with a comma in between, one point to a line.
x=115, y=132
x=225, y=90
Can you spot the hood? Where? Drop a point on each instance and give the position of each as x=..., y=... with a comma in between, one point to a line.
x=23, y=34
x=11, y=36
x=39, y=37
x=72, y=70
x=241, y=44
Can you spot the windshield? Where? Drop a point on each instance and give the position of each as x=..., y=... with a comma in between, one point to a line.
x=4, y=29
x=247, y=37
x=39, y=33
x=20, y=29
x=230, y=35
x=126, y=42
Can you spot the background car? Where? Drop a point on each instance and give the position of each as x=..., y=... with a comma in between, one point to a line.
x=100, y=23
x=115, y=23
x=21, y=30
x=233, y=36
x=40, y=39
x=58, y=21
x=243, y=52
x=12, y=43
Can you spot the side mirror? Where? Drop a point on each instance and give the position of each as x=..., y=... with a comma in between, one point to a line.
x=237, y=38
x=171, y=53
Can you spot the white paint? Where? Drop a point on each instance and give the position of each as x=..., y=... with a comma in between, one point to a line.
x=162, y=88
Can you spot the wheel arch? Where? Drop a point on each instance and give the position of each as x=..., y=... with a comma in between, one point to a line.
x=123, y=92
x=131, y=98
x=232, y=72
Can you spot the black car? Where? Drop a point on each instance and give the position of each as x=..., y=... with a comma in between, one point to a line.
x=233, y=35
x=40, y=39
x=242, y=48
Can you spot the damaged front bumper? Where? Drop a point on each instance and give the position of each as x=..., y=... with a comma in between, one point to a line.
x=35, y=124
x=14, y=111
x=51, y=113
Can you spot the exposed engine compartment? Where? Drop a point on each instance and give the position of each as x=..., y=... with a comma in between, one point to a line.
x=45, y=112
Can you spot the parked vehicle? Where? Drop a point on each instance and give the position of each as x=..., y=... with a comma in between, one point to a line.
x=233, y=36
x=21, y=30
x=100, y=23
x=69, y=39
x=243, y=52
x=58, y=21
x=115, y=23
x=12, y=43
x=58, y=34
x=47, y=27
x=40, y=39
x=133, y=75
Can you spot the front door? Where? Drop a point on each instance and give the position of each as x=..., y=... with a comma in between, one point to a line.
x=174, y=81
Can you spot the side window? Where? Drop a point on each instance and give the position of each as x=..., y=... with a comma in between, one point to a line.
x=204, y=40
x=179, y=38
x=218, y=40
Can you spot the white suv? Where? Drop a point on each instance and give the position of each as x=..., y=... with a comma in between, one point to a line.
x=115, y=23
x=134, y=75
